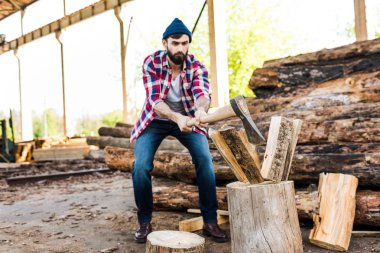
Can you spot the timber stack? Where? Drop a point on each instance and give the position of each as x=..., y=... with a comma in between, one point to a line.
x=336, y=94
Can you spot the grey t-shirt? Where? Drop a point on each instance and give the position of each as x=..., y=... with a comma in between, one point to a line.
x=173, y=99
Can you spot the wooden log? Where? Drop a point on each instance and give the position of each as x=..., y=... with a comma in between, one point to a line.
x=292, y=76
x=333, y=224
x=169, y=195
x=195, y=224
x=356, y=130
x=305, y=168
x=239, y=154
x=104, y=141
x=357, y=49
x=263, y=218
x=320, y=114
x=122, y=124
x=169, y=241
x=282, y=140
x=166, y=164
x=123, y=132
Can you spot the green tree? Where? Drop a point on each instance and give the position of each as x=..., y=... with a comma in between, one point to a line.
x=88, y=126
x=49, y=122
x=110, y=119
x=253, y=37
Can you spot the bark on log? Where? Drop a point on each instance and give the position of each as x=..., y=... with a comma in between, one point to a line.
x=305, y=169
x=169, y=195
x=357, y=49
x=263, y=218
x=334, y=221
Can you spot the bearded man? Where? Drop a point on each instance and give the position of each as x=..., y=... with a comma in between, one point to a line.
x=177, y=89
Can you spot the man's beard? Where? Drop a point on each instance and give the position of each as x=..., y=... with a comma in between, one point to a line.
x=177, y=58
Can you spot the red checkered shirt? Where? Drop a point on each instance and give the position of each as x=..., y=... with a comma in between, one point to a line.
x=157, y=77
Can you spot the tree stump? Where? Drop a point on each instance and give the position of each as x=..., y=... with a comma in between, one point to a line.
x=169, y=241
x=333, y=224
x=263, y=218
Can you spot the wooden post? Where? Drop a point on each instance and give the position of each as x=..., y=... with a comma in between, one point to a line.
x=263, y=218
x=168, y=241
x=360, y=20
x=218, y=53
x=333, y=225
x=282, y=140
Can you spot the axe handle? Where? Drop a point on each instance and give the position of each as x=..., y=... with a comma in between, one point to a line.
x=220, y=114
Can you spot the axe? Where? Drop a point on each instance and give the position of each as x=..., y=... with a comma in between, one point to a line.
x=238, y=107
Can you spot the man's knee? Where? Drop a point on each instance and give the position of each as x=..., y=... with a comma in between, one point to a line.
x=142, y=166
x=203, y=158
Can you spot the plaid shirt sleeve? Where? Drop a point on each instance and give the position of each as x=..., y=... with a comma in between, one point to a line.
x=201, y=85
x=152, y=83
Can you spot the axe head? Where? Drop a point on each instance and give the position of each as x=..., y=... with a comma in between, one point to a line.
x=240, y=107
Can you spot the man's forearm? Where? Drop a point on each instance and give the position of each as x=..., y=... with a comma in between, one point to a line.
x=163, y=110
x=202, y=103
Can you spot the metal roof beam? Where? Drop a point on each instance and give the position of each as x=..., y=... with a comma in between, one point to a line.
x=62, y=23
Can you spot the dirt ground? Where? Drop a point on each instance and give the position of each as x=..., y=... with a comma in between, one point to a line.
x=94, y=214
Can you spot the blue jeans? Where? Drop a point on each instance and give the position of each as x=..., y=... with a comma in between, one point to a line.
x=145, y=148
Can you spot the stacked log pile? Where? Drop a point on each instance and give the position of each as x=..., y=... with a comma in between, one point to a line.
x=335, y=92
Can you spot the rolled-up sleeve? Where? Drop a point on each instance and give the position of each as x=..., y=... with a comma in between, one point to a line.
x=151, y=82
x=201, y=86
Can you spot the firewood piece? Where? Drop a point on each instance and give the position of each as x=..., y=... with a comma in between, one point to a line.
x=282, y=139
x=168, y=241
x=227, y=154
x=333, y=225
x=263, y=218
x=123, y=132
x=195, y=224
x=244, y=152
x=219, y=212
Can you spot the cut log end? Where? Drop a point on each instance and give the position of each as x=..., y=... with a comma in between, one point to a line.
x=174, y=241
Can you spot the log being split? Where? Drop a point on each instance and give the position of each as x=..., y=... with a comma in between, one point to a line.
x=282, y=140
x=240, y=155
x=333, y=224
x=168, y=241
x=263, y=218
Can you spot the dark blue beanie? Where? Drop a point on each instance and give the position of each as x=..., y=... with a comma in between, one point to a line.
x=176, y=27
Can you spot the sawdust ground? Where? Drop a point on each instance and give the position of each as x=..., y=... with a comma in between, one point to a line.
x=94, y=214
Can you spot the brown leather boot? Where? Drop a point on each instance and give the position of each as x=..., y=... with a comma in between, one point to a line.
x=213, y=230
x=142, y=232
